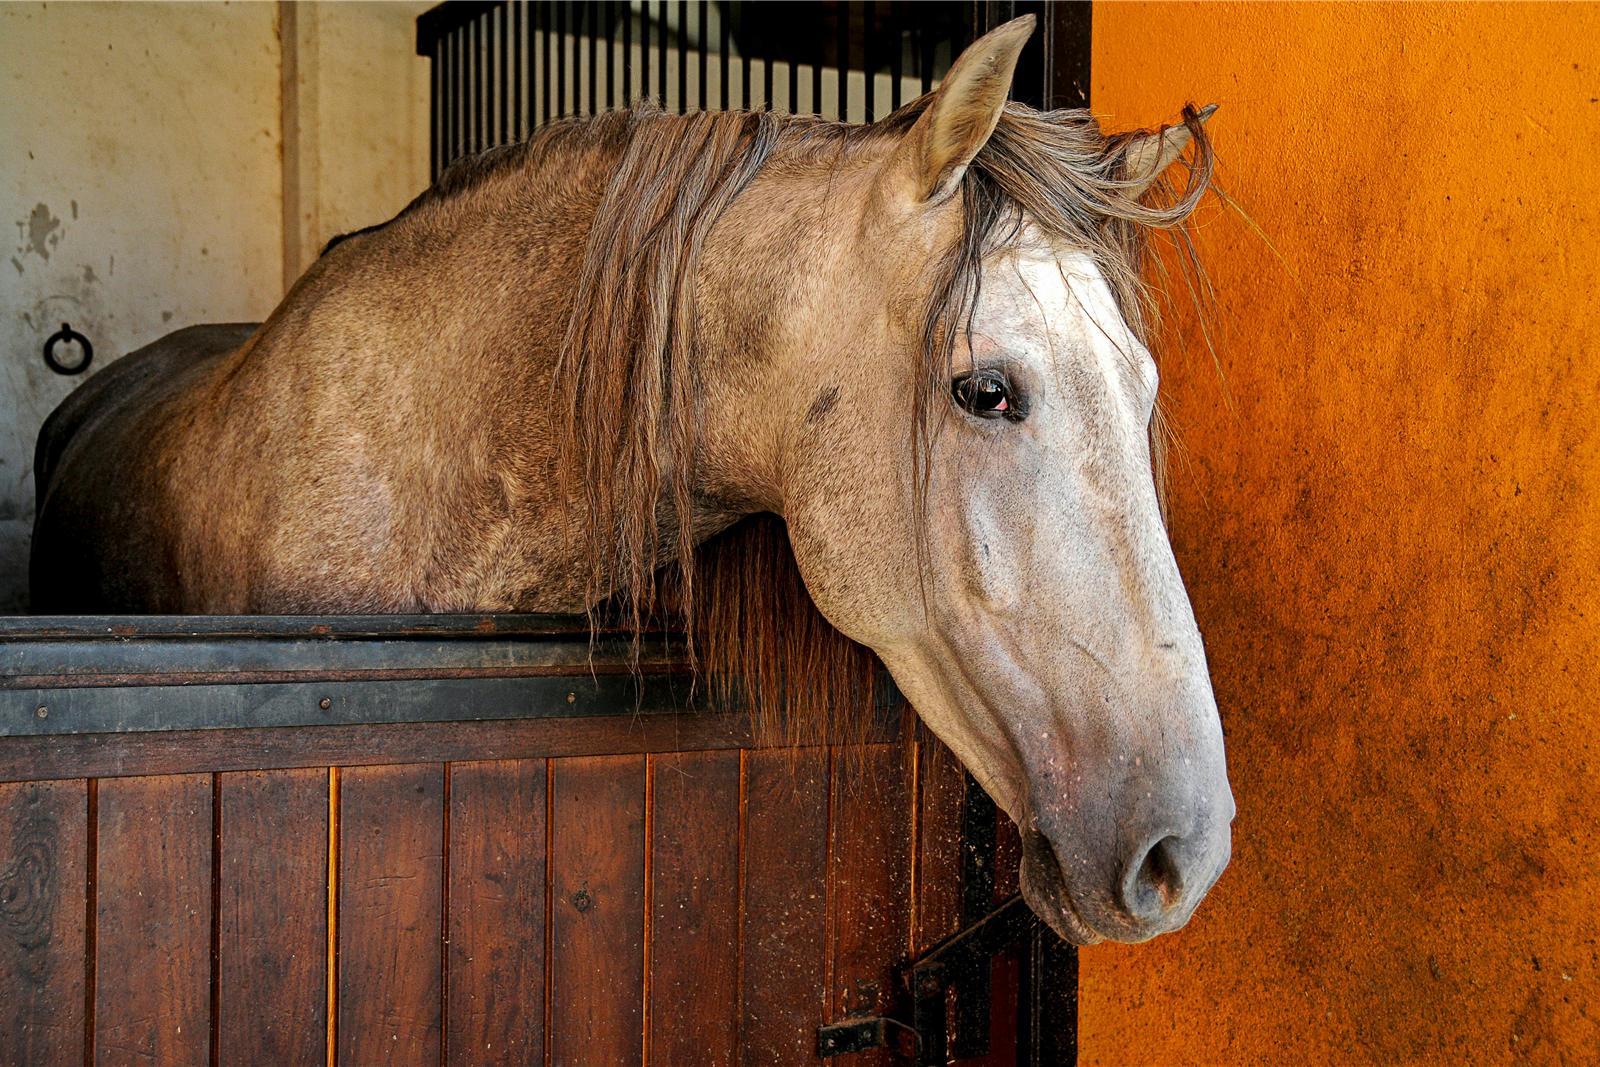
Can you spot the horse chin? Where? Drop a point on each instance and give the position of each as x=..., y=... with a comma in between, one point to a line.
x=1046, y=892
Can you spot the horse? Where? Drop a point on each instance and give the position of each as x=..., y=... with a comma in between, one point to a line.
x=866, y=394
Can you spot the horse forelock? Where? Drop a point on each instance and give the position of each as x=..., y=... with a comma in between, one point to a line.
x=626, y=371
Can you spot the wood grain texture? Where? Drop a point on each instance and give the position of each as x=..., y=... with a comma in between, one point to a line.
x=43, y=853
x=391, y=840
x=694, y=932
x=272, y=930
x=184, y=751
x=497, y=913
x=1007, y=858
x=940, y=785
x=869, y=883
x=783, y=984
x=153, y=922
x=597, y=843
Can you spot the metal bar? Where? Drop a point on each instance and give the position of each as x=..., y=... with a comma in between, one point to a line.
x=458, y=144
x=844, y=60
x=702, y=33
x=458, y=135
x=115, y=628
x=435, y=93
x=744, y=66
x=819, y=57
x=546, y=19
x=897, y=62
x=519, y=44
x=611, y=55
x=561, y=58
x=508, y=44
x=240, y=702
x=980, y=941
x=594, y=58
x=929, y=45
x=768, y=50
x=475, y=95
x=1047, y=1001
x=80, y=661
x=791, y=53
x=869, y=55
x=725, y=22
x=683, y=57
x=627, y=55
x=644, y=49
x=661, y=55
x=928, y=1017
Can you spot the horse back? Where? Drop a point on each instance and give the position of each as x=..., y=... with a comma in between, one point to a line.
x=86, y=462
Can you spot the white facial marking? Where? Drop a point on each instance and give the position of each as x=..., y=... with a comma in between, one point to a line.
x=1061, y=660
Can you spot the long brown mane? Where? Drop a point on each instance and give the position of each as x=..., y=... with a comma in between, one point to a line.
x=627, y=372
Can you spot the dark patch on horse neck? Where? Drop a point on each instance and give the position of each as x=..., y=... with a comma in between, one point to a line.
x=823, y=404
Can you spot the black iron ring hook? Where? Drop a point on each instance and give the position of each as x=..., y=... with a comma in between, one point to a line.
x=67, y=333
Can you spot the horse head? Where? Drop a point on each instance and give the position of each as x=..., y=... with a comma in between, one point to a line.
x=950, y=405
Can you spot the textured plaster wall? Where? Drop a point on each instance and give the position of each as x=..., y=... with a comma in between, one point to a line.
x=144, y=178
x=360, y=146
x=141, y=177
x=1388, y=518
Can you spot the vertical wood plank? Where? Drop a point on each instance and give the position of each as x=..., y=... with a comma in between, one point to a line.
x=272, y=942
x=391, y=839
x=597, y=912
x=1004, y=983
x=153, y=922
x=44, y=840
x=783, y=982
x=694, y=932
x=497, y=904
x=869, y=883
x=939, y=856
x=1007, y=858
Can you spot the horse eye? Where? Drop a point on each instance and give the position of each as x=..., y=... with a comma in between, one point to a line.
x=983, y=394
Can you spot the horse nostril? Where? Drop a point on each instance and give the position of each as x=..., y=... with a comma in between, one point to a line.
x=1158, y=886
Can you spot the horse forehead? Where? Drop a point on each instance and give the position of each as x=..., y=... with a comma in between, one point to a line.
x=1038, y=293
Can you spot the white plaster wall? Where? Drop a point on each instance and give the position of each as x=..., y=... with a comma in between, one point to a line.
x=144, y=174
x=361, y=95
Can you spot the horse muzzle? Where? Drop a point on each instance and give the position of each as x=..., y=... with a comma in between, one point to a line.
x=1141, y=879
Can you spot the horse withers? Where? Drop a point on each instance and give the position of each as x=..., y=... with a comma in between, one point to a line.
x=913, y=351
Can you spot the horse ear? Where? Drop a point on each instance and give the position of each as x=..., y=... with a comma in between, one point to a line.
x=1150, y=154
x=965, y=109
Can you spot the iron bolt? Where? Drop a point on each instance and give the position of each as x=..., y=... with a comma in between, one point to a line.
x=42, y=712
x=324, y=703
x=572, y=698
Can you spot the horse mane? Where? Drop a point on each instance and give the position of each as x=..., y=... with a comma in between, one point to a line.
x=626, y=371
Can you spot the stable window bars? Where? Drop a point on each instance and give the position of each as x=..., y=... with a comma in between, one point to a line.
x=503, y=69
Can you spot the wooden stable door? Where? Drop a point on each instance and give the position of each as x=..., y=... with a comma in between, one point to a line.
x=668, y=908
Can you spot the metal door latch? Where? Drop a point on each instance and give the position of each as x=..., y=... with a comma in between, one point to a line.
x=859, y=1035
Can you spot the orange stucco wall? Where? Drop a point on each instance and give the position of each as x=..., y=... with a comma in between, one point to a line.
x=1389, y=533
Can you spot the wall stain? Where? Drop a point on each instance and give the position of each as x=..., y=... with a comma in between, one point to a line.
x=41, y=228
